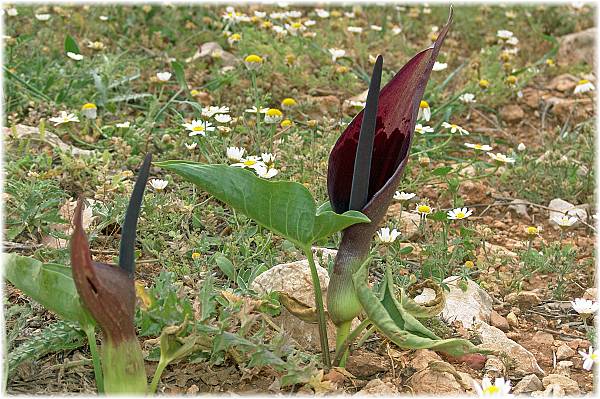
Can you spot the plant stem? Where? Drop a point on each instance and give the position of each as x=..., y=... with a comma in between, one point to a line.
x=341, y=351
x=90, y=333
x=156, y=379
x=320, y=308
x=362, y=340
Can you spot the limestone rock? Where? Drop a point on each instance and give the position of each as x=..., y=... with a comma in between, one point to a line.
x=215, y=51
x=494, y=367
x=523, y=299
x=431, y=377
x=512, y=319
x=568, y=385
x=544, y=339
x=564, y=368
x=66, y=212
x=512, y=113
x=529, y=383
x=523, y=361
x=574, y=110
x=559, y=207
x=33, y=133
x=564, y=83
x=564, y=352
x=499, y=321
x=363, y=364
x=472, y=305
x=378, y=387
x=577, y=47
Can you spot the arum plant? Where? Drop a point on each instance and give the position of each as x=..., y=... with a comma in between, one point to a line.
x=365, y=167
x=108, y=293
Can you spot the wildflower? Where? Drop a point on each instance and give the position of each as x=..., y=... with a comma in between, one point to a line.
x=213, y=110
x=481, y=147
x=402, y=196
x=254, y=110
x=511, y=80
x=592, y=356
x=396, y=30
x=196, y=255
x=498, y=157
x=439, y=66
x=12, y=12
x=103, y=18
x=386, y=236
x=469, y=264
x=199, y=127
x=223, y=118
x=273, y=115
x=550, y=62
x=424, y=111
x=500, y=388
x=251, y=162
x=504, y=34
x=454, y=128
x=423, y=129
x=42, y=17
x=467, y=98
x=125, y=124
x=235, y=154
x=459, y=213
x=521, y=147
x=341, y=69
x=295, y=27
x=158, y=184
x=336, y=53
x=74, y=56
x=190, y=146
x=322, y=13
x=253, y=62
x=583, y=86
x=423, y=209
x=260, y=14
x=288, y=103
x=349, y=15
x=532, y=230
x=97, y=46
x=64, y=117
x=376, y=28
x=565, y=220
x=484, y=83
x=286, y=123
x=234, y=38
x=513, y=41
x=268, y=158
x=584, y=306
x=89, y=110
x=265, y=172
x=355, y=29
x=163, y=76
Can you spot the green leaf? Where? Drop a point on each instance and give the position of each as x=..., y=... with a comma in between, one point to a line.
x=329, y=222
x=393, y=320
x=442, y=171
x=225, y=265
x=49, y=284
x=286, y=208
x=71, y=45
x=439, y=216
x=179, y=74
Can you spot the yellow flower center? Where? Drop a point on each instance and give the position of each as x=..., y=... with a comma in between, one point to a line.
x=469, y=264
x=550, y=61
x=89, y=106
x=478, y=146
x=531, y=230
x=235, y=37
x=460, y=215
x=492, y=389
x=511, y=79
x=199, y=128
x=288, y=102
x=483, y=83
x=593, y=356
x=194, y=92
x=253, y=58
x=424, y=209
x=296, y=25
x=424, y=104
x=267, y=24
x=249, y=162
x=453, y=126
x=583, y=82
x=196, y=255
x=286, y=123
x=274, y=112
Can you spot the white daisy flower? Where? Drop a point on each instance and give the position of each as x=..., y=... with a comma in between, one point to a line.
x=212, y=110
x=254, y=110
x=310, y=22
x=513, y=41
x=125, y=124
x=498, y=157
x=459, y=213
x=322, y=13
x=396, y=30
x=89, y=110
x=251, y=162
x=423, y=209
x=223, y=118
x=480, y=147
x=455, y=128
x=386, y=236
x=584, y=306
x=268, y=158
x=74, y=56
x=103, y=18
x=583, y=86
x=500, y=388
x=439, y=66
x=402, y=196
x=63, y=118
x=423, y=129
x=376, y=28
x=163, y=76
x=355, y=29
x=235, y=154
x=504, y=34
x=565, y=220
x=12, y=12
x=467, y=98
x=199, y=127
x=42, y=17
x=158, y=184
x=590, y=358
x=265, y=172
x=521, y=147
x=424, y=111
x=190, y=146
x=273, y=115
x=336, y=53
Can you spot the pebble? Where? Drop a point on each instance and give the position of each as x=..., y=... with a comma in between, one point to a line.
x=564, y=352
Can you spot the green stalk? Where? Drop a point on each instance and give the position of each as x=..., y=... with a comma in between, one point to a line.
x=90, y=333
x=320, y=308
x=156, y=379
x=342, y=346
x=341, y=352
x=364, y=338
x=123, y=365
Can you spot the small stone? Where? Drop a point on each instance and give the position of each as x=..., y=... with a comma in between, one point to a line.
x=591, y=294
x=523, y=299
x=363, y=364
x=494, y=367
x=512, y=319
x=568, y=385
x=543, y=338
x=564, y=368
x=564, y=83
x=498, y=321
x=512, y=113
x=577, y=47
x=529, y=383
x=378, y=387
x=431, y=377
x=469, y=306
x=564, y=352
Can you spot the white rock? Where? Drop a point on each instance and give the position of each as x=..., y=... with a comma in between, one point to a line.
x=529, y=383
x=377, y=387
x=569, y=386
x=559, y=207
x=472, y=305
x=494, y=339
